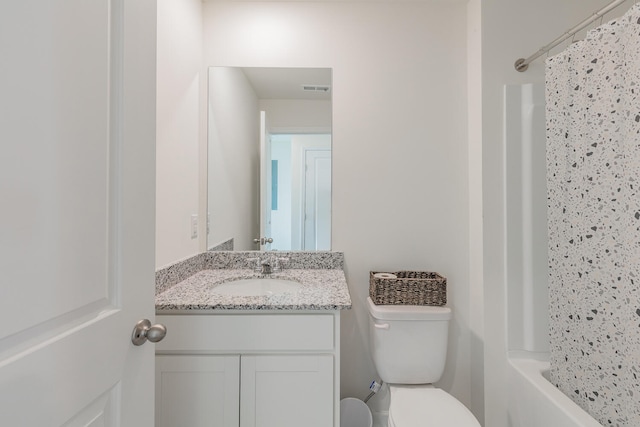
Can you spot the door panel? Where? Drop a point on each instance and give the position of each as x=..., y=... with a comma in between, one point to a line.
x=317, y=197
x=99, y=413
x=286, y=391
x=77, y=187
x=56, y=156
x=197, y=391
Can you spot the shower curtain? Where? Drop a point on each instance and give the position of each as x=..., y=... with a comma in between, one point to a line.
x=593, y=175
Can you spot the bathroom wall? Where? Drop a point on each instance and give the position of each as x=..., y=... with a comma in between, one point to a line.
x=400, y=183
x=178, y=141
x=510, y=29
x=404, y=91
x=474, y=178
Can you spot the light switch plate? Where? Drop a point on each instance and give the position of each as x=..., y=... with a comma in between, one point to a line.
x=194, y=226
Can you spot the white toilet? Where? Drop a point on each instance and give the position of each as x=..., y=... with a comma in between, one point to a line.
x=409, y=348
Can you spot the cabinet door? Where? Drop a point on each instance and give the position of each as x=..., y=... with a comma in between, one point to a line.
x=287, y=391
x=197, y=391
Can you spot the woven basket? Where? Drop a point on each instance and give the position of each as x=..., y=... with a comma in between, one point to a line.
x=410, y=288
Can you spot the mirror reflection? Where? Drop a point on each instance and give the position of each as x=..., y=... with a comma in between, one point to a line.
x=269, y=158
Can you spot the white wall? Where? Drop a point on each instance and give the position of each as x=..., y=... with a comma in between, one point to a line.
x=178, y=129
x=474, y=157
x=511, y=29
x=234, y=159
x=400, y=165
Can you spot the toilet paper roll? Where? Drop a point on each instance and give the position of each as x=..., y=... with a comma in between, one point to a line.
x=385, y=276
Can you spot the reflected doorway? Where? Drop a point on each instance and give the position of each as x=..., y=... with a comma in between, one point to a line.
x=298, y=191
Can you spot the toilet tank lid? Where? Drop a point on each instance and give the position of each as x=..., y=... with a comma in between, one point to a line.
x=408, y=312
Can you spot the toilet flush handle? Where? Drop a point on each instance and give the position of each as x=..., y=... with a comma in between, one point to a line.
x=381, y=325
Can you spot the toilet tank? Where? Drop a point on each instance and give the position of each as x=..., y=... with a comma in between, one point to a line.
x=408, y=343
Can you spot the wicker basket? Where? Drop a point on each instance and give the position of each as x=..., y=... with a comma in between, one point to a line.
x=409, y=288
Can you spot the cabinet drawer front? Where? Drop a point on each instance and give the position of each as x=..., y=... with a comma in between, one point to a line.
x=246, y=333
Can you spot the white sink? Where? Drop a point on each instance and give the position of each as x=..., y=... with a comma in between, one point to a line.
x=256, y=287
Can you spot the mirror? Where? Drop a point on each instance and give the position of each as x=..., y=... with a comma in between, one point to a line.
x=269, y=159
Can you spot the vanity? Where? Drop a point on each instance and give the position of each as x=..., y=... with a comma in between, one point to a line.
x=267, y=355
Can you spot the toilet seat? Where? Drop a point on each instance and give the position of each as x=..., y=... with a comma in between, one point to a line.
x=427, y=406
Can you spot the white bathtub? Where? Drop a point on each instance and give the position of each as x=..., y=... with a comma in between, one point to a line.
x=535, y=402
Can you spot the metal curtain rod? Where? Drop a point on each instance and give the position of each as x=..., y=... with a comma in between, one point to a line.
x=522, y=64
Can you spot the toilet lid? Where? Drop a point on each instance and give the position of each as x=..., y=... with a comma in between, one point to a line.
x=424, y=406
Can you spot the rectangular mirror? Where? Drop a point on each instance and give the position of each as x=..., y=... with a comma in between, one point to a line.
x=269, y=159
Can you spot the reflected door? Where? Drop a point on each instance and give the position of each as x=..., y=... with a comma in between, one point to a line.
x=317, y=200
x=266, y=183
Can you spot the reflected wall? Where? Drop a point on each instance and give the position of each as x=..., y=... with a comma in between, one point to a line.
x=233, y=159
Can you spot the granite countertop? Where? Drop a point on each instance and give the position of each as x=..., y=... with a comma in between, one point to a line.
x=322, y=289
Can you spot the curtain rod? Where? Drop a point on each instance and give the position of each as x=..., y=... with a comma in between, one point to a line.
x=522, y=64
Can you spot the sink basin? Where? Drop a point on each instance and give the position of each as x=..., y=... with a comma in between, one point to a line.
x=257, y=287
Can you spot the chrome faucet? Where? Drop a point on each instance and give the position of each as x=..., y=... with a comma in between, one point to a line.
x=268, y=265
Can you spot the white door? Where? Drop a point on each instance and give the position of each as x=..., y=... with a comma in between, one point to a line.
x=317, y=200
x=77, y=190
x=265, y=184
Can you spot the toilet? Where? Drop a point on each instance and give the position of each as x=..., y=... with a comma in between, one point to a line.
x=409, y=348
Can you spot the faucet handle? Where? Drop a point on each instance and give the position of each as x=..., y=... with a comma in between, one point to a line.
x=256, y=263
x=279, y=261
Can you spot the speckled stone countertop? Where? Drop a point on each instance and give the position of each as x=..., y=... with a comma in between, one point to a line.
x=321, y=289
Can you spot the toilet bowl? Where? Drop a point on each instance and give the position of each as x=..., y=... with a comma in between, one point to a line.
x=408, y=347
x=422, y=406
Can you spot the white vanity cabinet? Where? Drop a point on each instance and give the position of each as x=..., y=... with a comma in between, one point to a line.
x=275, y=369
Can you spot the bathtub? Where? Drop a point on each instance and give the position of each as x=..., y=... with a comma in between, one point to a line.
x=535, y=402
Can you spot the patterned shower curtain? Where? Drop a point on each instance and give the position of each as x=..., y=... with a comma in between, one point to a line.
x=593, y=176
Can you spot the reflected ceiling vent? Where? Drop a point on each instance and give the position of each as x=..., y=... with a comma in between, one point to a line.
x=316, y=88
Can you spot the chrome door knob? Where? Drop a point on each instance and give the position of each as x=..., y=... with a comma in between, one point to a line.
x=144, y=331
x=263, y=240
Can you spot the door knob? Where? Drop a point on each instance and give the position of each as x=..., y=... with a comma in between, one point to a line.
x=144, y=331
x=263, y=240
